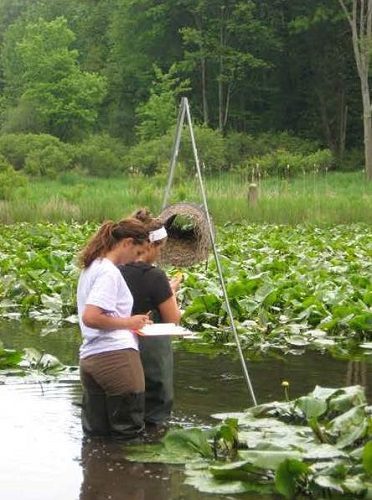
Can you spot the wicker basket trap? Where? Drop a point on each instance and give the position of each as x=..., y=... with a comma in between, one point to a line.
x=189, y=240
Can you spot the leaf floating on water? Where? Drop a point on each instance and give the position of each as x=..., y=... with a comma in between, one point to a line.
x=274, y=444
x=366, y=345
x=297, y=341
x=367, y=457
x=287, y=476
x=312, y=407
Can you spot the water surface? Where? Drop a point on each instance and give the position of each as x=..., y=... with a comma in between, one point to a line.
x=44, y=455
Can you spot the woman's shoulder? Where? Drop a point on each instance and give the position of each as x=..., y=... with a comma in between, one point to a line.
x=135, y=267
x=99, y=266
x=157, y=271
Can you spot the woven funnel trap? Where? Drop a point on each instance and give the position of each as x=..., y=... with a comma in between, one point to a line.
x=188, y=235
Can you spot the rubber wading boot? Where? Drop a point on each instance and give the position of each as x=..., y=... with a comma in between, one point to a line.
x=94, y=415
x=126, y=415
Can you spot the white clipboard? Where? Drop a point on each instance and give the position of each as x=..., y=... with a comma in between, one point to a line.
x=164, y=329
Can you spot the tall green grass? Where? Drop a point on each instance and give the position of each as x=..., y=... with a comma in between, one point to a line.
x=330, y=198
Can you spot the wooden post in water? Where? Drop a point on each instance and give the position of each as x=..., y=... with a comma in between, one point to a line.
x=252, y=194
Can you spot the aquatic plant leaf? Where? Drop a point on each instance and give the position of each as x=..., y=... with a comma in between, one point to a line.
x=204, y=481
x=312, y=407
x=9, y=358
x=367, y=457
x=329, y=483
x=277, y=409
x=366, y=345
x=52, y=302
x=346, y=398
x=288, y=453
x=323, y=451
x=323, y=392
x=355, y=433
x=357, y=454
x=268, y=459
x=188, y=440
x=287, y=476
x=241, y=470
x=354, y=485
x=338, y=467
x=34, y=360
x=321, y=342
x=177, y=447
x=227, y=433
x=156, y=453
x=264, y=266
x=349, y=426
x=236, y=289
x=203, y=303
x=362, y=322
x=297, y=341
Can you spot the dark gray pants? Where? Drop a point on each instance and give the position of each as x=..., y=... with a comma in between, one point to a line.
x=157, y=361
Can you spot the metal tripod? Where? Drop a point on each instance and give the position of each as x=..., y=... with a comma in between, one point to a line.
x=184, y=111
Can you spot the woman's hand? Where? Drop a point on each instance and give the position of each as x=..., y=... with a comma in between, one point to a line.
x=175, y=283
x=138, y=321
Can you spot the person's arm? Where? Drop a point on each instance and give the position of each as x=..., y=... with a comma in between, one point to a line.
x=169, y=310
x=95, y=317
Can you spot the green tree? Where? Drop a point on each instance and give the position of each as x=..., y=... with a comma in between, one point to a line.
x=229, y=43
x=43, y=80
x=158, y=114
x=142, y=33
x=327, y=104
x=359, y=16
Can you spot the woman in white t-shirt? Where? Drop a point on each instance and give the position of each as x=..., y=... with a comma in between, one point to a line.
x=110, y=366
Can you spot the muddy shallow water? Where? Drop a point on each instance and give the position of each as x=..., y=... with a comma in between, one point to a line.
x=45, y=457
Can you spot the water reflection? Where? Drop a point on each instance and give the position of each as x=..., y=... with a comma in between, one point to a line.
x=40, y=433
x=108, y=475
x=40, y=442
x=357, y=374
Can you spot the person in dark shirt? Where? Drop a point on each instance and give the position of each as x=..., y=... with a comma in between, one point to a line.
x=152, y=291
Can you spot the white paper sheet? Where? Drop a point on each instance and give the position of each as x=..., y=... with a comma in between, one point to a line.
x=161, y=329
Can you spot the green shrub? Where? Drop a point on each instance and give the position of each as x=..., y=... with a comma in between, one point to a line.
x=210, y=146
x=240, y=147
x=321, y=161
x=47, y=161
x=272, y=141
x=284, y=163
x=10, y=179
x=101, y=156
x=15, y=148
x=24, y=151
x=150, y=157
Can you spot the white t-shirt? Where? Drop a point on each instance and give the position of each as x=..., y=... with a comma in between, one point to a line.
x=102, y=285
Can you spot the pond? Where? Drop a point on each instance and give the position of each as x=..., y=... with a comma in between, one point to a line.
x=44, y=455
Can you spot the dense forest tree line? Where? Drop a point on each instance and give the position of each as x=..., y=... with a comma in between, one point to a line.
x=72, y=68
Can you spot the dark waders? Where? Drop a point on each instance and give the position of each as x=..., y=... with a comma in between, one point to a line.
x=113, y=394
x=157, y=360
